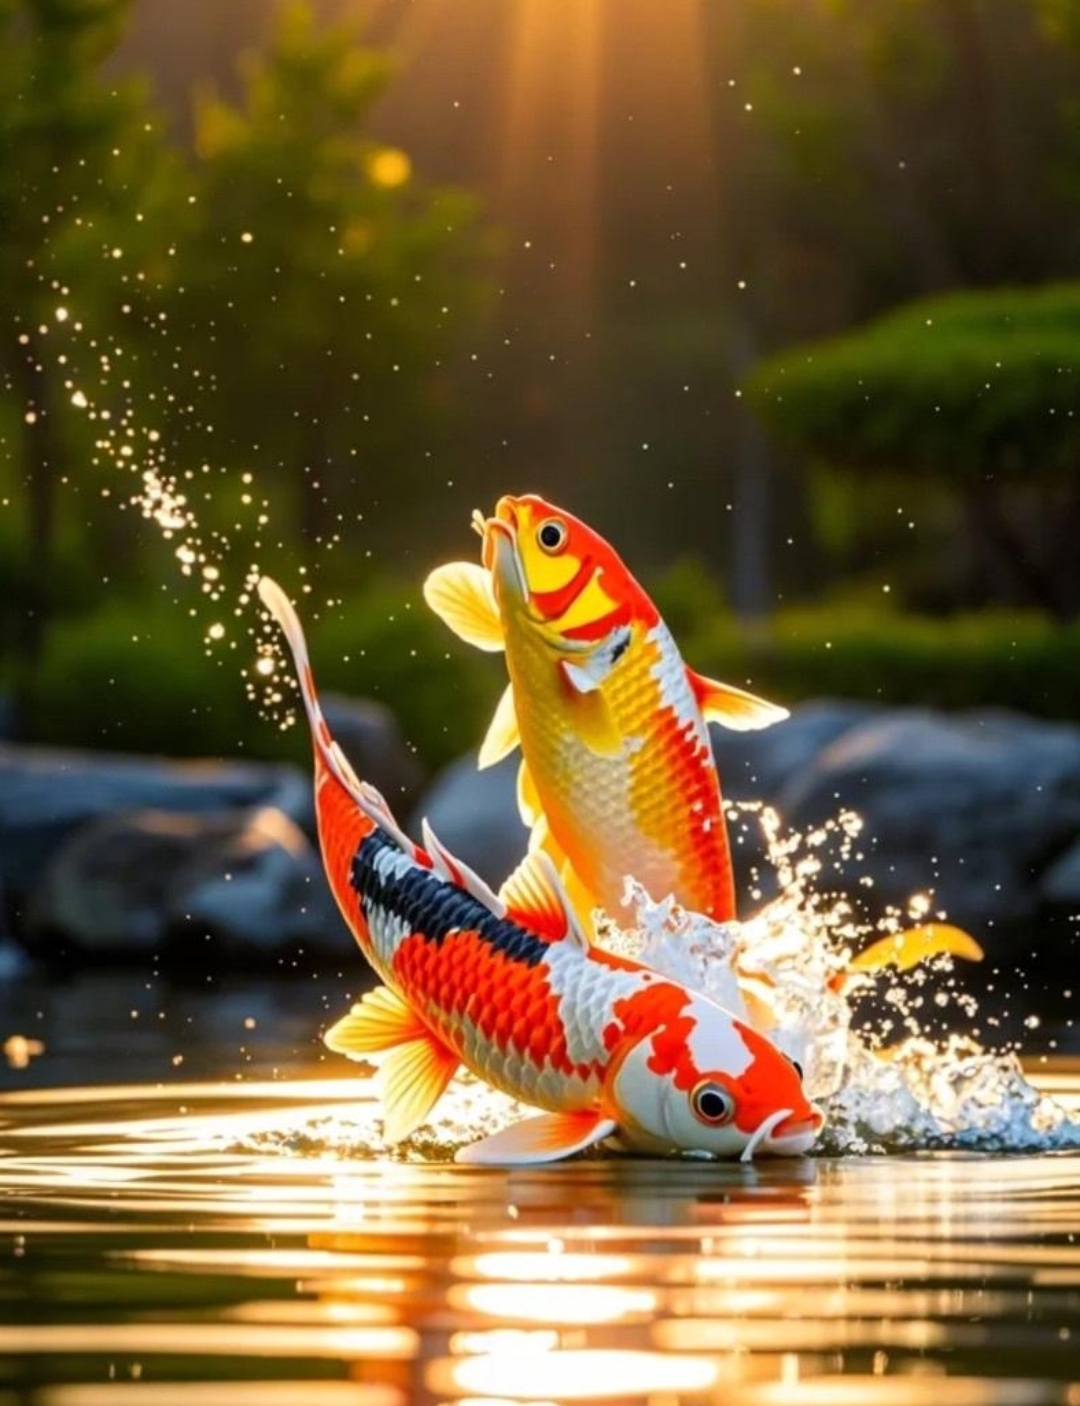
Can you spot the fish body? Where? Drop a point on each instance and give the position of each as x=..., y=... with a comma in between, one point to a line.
x=507, y=986
x=617, y=774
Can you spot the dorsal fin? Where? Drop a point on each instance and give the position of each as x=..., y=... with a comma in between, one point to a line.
x=460, y=594
x=457, y=872
x=534, y=896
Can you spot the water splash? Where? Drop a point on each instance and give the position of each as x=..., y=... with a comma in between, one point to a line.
x=888, y=1085
x=173, y=489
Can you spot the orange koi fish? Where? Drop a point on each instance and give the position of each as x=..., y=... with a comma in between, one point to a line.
x=617, y=775
x=507, y=986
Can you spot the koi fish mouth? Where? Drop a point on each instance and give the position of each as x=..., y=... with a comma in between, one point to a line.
x=784, y=1135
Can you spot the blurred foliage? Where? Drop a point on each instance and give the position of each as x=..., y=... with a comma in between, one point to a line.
x=858, y=649
x=273, y=308
x=80, y=167
x=129, y=677
x=314, y=259
x=977, y=394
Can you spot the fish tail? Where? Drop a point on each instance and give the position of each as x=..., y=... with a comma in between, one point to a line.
x=329, y=757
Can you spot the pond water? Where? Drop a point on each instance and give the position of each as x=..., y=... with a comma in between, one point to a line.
x=183, y=1220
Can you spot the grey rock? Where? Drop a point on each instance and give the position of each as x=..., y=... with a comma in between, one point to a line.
x=1059, y=884
x=475, y=815
x=134, y=882
x=757, y=764
x=47, y=794
x=370, y=736
x=975, y=806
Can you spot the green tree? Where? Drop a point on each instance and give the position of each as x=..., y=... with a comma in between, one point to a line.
x=79, y=160
x=317, y=283
x=976, y=394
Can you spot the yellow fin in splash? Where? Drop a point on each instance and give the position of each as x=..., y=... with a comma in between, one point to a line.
x=907, y=949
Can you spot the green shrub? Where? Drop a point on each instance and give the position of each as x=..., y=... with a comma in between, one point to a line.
x=963, y=385
x=136, y=676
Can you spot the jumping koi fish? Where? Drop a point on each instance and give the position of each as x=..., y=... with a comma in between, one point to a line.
x=617, y=775
x=507, y=986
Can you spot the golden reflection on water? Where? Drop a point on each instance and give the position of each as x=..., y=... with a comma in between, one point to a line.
x=199, y=1244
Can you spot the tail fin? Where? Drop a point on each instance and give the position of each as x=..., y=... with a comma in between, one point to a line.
x=327, y=750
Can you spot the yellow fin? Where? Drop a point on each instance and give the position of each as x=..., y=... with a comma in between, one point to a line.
x=545, y=1138
x=535, y=896
x=502, y=734
x=414, y=1077
x=460, y=594
x=581, y=898
x=907, y=949
x=379, y=1021
x=591, y=718
x=528, y=799
x=733, y=707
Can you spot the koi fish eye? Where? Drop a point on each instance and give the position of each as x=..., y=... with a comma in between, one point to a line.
x=552, y=535
x=712, y=1104
x=796, y=1066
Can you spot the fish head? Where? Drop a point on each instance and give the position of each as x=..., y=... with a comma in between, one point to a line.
x=706, y=1082
x=554, y=575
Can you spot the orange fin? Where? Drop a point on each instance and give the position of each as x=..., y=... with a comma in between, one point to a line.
x=535, y=897
x=379, y=1021
x=545, y=1138
x=460, y=594
x=733, y=707
x=502, y=735
x=414, y=1077
x=907, y=949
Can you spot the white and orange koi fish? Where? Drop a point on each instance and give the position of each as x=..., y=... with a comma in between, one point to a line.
x=617, y=776
x=508, y=987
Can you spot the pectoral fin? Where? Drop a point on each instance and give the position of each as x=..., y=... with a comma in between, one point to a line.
x=502, y=734
x=592, y=719
x=379, y=1021
x=733, y=707
x=528, y=798
x=460, y=594
x=414, y=1077
x=545, y=1138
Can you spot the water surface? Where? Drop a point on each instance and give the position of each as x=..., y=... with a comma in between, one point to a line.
x=169, y=1239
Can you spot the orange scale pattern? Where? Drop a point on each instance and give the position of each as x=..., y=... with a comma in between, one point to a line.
x=465, y=980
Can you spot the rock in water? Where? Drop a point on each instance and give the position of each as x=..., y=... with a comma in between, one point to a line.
x=475, y=814
x=975, y=806
x=370, y=736
x=47, y=794
x=142, y=880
